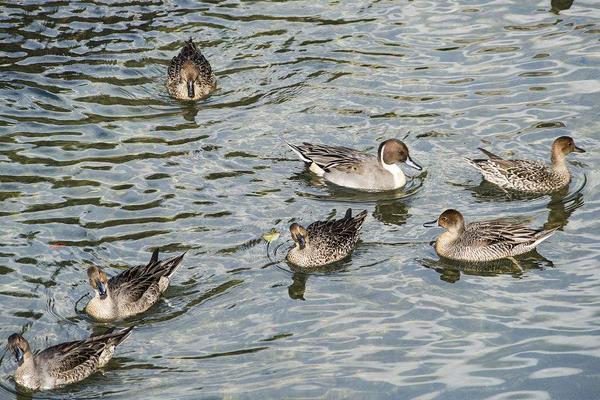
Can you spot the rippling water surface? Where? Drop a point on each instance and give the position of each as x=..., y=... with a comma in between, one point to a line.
x=99, y=166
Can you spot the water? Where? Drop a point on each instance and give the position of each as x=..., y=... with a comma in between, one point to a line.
x=99, y=166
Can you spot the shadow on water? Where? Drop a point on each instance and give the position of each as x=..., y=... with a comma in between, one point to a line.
x=450, y=270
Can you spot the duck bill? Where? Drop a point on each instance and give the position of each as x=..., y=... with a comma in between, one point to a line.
x=431, y=224
x=301, y=241
x=190, y=89
x=578, y=150
x=412, y=164
x=102, y=290
x=19, y=354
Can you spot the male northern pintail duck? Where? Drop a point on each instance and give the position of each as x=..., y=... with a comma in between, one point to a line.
x=529, y=176
x=132, y=291
x=484, y=240
x=190, y=76
x=64, y=363
x=347, y=167
x=324, y=242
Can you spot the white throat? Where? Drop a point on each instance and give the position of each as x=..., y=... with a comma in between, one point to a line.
x=397, y=174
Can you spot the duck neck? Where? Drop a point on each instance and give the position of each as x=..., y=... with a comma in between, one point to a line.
x=26, y=374
x=394, y=169
x=559, y=162
x=101, y=308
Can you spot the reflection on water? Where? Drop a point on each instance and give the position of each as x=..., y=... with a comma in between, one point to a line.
x=560, y=5
x=99, y=166
x=450, y=270
x=298, y=287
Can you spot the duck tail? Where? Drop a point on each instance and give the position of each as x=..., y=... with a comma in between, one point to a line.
x=173, y=264
x=360, y=219
x=491, y=155
x=298, y=151
x=113, y=336
x=543, y=235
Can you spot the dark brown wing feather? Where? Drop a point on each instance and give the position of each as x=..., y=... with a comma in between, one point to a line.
x=67, y=356
x=189, y=52
x=130, y=285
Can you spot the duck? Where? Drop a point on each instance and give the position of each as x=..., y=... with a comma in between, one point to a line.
x=526, y=175
x=189, y=76
x=131, y=292
x=354, y=169
x=324, y=242
x=485, y=240
x=64, y=363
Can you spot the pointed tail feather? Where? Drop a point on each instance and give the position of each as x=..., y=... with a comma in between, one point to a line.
x=492, y=156
x=297, y=150
x=543, y=235
x=174, y=264
x=154, y=258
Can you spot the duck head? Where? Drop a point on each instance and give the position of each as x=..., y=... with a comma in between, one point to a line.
x=18, y=346
x=299, y=235
x=563, y=146
x=452, y=220
x=98, y=281
x=393, y=151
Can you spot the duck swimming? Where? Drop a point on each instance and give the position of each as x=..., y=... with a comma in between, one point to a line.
x=64, y=363
x=190, y=76
x=324, y=242
x=529, y=176
x=132, y=291
x=351, y=168
x=485, y=240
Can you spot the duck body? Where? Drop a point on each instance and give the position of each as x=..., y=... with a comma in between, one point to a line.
x=65, y=363
x=529, y=176
x=132, y=291
x=325, y=242
x=485, y=240
x=350, y=168
x=190, y=76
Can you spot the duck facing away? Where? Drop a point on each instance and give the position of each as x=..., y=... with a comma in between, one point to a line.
x=190, y=76
x=484, y=240
x=529, y=176
x=325, y=242
x=132, y=291
x=347, y=167
x=64, y=363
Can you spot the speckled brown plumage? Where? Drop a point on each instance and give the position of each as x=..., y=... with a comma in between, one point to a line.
x=485, y=240
x=64, y=363
x=133, y=291
x=529, y=176
x=326, y=241
x=190, y=76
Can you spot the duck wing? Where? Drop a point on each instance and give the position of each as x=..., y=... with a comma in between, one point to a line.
x=72, y=361
x=130, y=285
x=500, y=233
x=328, y=157
x=344, y=228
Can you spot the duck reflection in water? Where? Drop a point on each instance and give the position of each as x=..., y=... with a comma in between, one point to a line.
x=561, y=204
x=450, y=271
x=560, y=5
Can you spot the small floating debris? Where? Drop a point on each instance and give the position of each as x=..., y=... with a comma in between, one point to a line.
x=271, y=236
